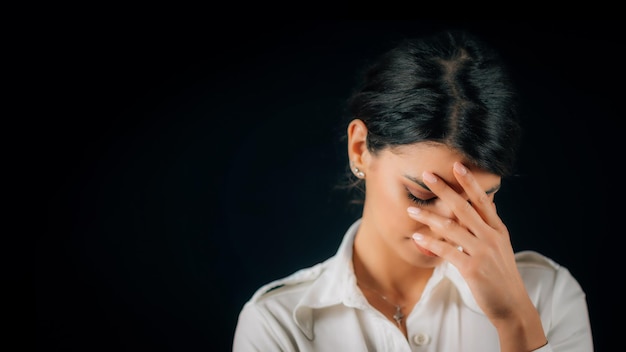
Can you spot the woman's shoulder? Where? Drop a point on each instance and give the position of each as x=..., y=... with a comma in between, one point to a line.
x=292, y=286
x=558, y=297
x=534, y=259
x=542, y=274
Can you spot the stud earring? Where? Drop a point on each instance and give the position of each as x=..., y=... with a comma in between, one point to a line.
x=359, y=173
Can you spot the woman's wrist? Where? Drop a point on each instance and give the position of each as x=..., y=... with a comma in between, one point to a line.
x=522, y=332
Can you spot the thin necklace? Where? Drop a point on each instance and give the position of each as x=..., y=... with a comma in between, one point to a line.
x=398, y=315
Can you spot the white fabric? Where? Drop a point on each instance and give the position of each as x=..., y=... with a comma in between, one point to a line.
x=321, y=309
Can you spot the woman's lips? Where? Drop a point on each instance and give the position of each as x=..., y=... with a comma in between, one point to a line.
x=424, y=251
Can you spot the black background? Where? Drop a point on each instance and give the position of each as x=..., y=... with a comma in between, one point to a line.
x=185, y=165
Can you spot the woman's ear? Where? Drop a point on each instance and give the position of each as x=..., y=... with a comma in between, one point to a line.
x=357, y=146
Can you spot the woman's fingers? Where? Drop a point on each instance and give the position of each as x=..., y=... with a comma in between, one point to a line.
x=474, y=214
x=447, y=233
x=481, y=200
x=453, y=253
x=461, y=207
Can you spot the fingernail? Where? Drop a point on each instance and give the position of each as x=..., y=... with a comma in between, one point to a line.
x=418, y=237
x=413, y=210
x=429, y=177
x=460, y=169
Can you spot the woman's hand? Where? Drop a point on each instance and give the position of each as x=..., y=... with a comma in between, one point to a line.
x=487, y=260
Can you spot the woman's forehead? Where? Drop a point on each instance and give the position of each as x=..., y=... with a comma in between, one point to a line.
x=413, y=159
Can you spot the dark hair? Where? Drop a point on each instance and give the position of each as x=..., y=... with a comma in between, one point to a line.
x=450, y=88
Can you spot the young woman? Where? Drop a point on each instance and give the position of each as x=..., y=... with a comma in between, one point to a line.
x=429, y=266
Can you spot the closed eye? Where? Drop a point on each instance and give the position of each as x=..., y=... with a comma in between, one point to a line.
x=419, y=201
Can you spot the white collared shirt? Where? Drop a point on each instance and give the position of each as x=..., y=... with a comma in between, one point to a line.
x=321, y=309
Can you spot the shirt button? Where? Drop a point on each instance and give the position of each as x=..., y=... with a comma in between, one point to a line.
x=421, y=339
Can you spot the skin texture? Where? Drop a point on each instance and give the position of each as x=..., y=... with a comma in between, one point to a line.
x=389, y=260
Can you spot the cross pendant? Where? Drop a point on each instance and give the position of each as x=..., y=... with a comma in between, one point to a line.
x=398, y=316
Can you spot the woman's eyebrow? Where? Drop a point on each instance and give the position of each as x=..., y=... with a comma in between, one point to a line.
x=423, y=185
x=418, y=181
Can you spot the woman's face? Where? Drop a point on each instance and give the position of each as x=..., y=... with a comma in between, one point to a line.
x=394, y=183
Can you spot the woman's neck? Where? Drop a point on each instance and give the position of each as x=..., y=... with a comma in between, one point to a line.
x=378, y=268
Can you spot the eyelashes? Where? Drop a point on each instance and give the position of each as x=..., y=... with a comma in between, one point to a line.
x=420, y=201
